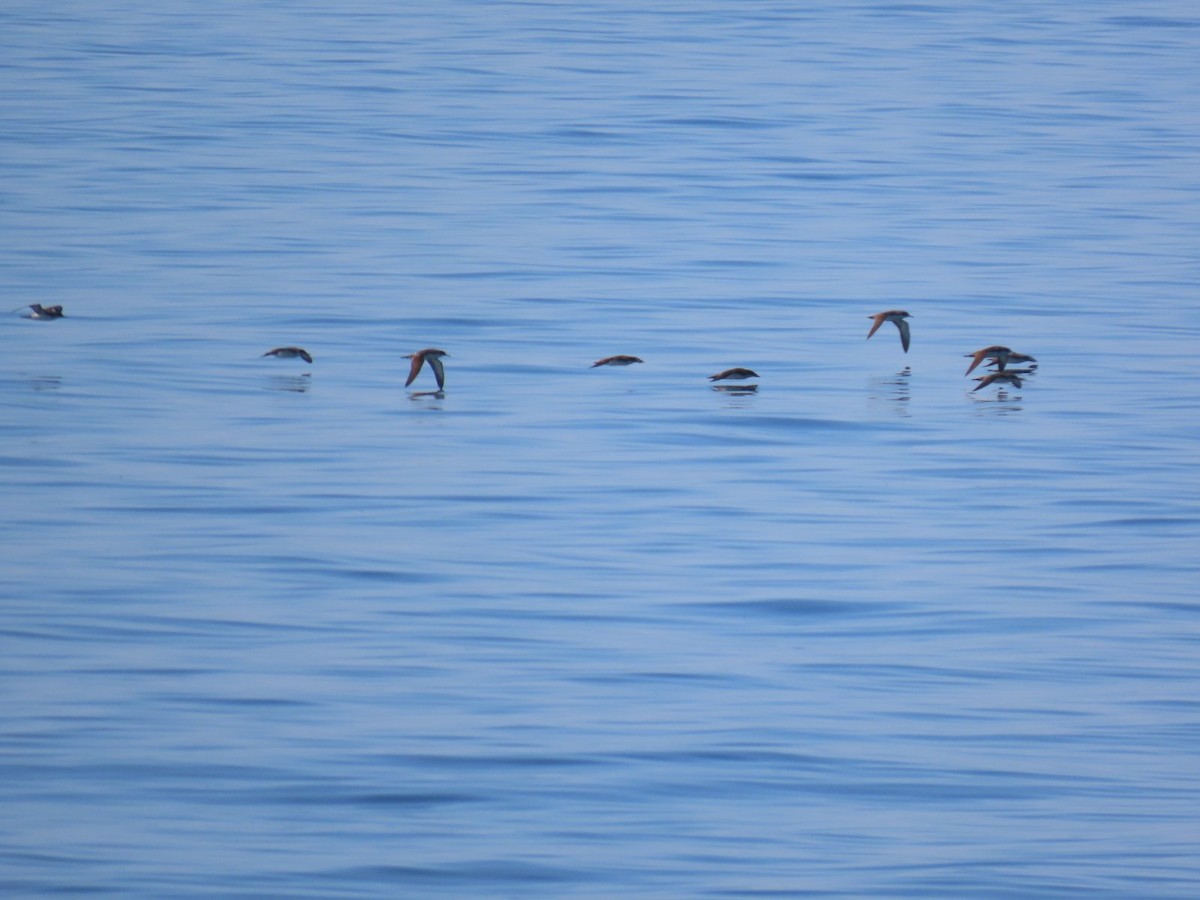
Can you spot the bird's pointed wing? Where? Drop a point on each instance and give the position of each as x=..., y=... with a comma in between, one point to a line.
x=440, y=373
x=905, y=334
x=417, y=361
x=879, y=320
x=977, y=358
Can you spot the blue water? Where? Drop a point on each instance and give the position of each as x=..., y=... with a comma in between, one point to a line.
x=278, y=630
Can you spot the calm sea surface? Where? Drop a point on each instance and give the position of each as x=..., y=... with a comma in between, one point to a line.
x=277, y=630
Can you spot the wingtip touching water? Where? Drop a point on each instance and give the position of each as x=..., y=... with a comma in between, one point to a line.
x=434, y=357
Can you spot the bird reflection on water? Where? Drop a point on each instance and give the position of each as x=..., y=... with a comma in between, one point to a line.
x=296, y=384
x=894, y=390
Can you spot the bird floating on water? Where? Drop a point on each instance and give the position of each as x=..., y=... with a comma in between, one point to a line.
x=619, y=360
x=434, y=357
x=37, y=311
x=896, y=317
x=290, y=353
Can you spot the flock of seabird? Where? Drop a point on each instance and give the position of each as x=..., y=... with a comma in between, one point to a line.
x=997, y=356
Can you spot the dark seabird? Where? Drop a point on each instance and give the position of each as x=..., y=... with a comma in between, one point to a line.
x=617, y=361
x=896, y=317
x=290, y=353
x=434, y=358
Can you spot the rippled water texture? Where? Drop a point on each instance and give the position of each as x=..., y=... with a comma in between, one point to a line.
x=277, y=629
